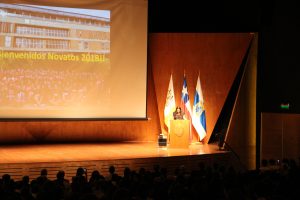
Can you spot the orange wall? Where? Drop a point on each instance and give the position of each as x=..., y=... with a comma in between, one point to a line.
x=217, y=57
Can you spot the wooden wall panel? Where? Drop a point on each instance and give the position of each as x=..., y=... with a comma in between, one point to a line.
x=241, y=133
x=280, y=136
x=217, y=56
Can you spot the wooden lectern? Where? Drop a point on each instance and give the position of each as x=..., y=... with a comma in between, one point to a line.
x=179, y=133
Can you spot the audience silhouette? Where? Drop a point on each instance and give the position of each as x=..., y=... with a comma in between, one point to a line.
x=275, y=180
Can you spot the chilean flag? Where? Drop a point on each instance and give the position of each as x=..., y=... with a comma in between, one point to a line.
x=185, y=101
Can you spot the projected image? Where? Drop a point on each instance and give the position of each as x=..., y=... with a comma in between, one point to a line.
x=54, y=61
x=64, y=62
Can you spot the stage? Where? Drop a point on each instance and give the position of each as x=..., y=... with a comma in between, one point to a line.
x=20, y=160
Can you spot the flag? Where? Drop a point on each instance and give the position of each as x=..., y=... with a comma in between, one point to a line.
x=185, y=101
x=170, y=105
x=198, y=118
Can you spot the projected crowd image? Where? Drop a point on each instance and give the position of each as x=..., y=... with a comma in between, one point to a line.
x=46, y=88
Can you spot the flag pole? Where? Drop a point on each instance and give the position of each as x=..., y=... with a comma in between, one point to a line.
x=168, y=133
x=198, y=137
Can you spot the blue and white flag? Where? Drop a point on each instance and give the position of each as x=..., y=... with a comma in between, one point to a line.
x=199, y=118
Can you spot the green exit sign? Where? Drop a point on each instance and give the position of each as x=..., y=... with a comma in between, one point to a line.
x=285, y=106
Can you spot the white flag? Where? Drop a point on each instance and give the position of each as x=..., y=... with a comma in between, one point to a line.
x=170, y=105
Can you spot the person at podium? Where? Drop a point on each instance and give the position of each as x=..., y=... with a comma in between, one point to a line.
x=178, y=113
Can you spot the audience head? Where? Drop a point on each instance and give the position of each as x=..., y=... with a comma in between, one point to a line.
x=111, y=169
x=25, y=179
x=156, y=168
x=127, y=172
x=80, y=171
x=60, y=175
x=6, y=178
x=95, y=176
x=44, y=172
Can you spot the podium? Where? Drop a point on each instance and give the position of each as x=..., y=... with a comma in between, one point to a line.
x=179, y=133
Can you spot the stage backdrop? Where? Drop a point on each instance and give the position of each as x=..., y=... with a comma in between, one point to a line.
x=217, y=56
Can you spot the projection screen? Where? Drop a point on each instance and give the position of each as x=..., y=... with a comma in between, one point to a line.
x=85, y=59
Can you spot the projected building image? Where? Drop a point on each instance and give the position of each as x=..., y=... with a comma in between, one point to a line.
x=41, y=29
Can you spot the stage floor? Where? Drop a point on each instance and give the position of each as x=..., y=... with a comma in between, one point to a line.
x=20, y=160
x=103, y=151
